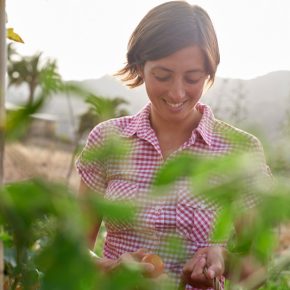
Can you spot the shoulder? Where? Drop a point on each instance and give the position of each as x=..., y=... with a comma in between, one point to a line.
x=237, y=138
x=116, y=126
x=243, y=143
x=123, y=126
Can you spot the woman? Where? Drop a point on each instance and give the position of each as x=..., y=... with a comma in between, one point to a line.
x=174, y=52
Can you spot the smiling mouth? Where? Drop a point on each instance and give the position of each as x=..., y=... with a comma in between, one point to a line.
x=175, y=105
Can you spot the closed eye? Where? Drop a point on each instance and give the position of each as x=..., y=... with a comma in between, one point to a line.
x=194, y=77
x=193, y=81
x=162, y=78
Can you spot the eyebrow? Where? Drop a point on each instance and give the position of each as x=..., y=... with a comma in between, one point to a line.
x=169, y=70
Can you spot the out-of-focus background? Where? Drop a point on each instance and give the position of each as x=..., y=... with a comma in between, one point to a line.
x=89, y=38
x=84, y=42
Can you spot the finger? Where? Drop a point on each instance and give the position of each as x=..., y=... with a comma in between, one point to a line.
x=198, y=270
x=146, y=268
x=210, y=273
x=215, y=264
x=214, y=271
x=126, y=258
x=128, y=261
x=139, y=254
x=132, y=261
x=190, y=264
x=109, y=265
x=198, y=277
x=162, y=277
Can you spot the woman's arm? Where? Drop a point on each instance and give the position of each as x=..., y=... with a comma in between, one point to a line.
x=211, y=258
x=95, y=227
x=220, y=262
x=105, y=264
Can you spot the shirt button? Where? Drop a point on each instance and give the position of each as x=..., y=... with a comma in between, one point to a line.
x=158, y=210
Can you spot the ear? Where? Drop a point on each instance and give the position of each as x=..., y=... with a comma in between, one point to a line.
x=140, y=70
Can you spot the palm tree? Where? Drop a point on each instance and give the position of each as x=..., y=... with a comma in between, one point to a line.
x=100, y=109
x=29, y=70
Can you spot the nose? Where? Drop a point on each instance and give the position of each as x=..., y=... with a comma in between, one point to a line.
x=177, y=90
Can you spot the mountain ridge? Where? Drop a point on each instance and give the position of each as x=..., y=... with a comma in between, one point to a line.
x=262, y=102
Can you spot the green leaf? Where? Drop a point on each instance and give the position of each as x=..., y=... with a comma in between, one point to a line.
x=114, y=147
x=121, y=210
x=18, y=120
x=264, y=242
x=224, y=224
x=180, y=166
x=66, y=265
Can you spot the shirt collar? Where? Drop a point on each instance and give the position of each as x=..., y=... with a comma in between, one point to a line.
x=205, y=127
x=140, y=124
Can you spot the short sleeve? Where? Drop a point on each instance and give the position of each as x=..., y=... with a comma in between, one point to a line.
x=260, y=174
x=91, y=170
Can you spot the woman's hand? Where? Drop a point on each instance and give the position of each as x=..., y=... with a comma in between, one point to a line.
x=211, y=258
x=130, y=260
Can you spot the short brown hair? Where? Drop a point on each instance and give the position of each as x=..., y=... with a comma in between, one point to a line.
x=164, y=30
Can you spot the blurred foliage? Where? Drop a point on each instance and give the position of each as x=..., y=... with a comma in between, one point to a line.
x=44, y=224
x=101, y=109
x=30, y=70
x=43, y=229
x=43, y=80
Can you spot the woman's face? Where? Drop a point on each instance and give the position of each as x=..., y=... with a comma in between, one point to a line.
x=175, y=83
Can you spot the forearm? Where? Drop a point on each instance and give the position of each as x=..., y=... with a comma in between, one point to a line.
x=244, y=270
x=94, y=220
x=92, y=236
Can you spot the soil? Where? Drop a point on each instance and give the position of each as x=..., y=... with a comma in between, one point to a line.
x=40, y=157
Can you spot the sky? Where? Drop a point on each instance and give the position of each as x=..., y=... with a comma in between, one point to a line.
x=88, y=38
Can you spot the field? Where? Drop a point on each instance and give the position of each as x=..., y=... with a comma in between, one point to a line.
x=39, y=157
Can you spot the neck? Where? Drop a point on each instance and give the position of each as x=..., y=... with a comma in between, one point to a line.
x=175, y=128
x=172, y=134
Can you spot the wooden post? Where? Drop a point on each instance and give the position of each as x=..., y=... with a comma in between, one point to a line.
x=2, y=85
x=2, y=114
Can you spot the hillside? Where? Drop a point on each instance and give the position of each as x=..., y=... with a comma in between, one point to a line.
x=260, y=104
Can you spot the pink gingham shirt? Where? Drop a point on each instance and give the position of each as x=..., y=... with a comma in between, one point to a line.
x=177, y=223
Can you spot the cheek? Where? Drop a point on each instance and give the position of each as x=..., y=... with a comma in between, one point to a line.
x=196, y=92
x=154, y=89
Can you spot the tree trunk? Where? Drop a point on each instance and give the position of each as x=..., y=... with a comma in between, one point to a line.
x=76, y=137
x=31, y=94
x=2, y=114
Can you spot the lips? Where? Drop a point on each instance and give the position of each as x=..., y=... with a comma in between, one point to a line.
x=175, y=106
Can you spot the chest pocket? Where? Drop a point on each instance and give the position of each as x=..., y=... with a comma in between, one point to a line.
x=158, y=218
x=120, y=191
x=195, y=218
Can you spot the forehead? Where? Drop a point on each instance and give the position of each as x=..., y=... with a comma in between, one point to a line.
x=185, y=59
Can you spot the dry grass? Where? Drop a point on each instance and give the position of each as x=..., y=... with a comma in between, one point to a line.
x=44, y=158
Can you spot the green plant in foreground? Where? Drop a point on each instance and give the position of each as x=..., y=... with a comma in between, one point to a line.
x=44, y=224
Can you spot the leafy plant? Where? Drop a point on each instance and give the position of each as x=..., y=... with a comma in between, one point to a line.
x=44, y=224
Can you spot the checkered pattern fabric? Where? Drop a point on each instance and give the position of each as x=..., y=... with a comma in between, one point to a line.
x=178, y=222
